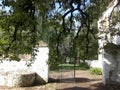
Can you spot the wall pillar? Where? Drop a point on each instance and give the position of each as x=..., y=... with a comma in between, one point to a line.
x=109, y=45
x=40, y=65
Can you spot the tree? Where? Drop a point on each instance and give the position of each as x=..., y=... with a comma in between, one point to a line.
x=25, y=23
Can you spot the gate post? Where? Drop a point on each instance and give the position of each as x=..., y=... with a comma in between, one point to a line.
x=109, y=45
x=40, y=65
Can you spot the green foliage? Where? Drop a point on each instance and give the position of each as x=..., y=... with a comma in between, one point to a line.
x=96, y=71
x=18, y=27
x=99, y=6
x=92, y=47
x=66, y=66
x=114, y=23
x=52, y=21
x=82, y=66
x=114, y=30
x=111, y=48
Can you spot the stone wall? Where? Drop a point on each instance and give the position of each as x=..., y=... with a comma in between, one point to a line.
x=40, y=65
x=13, y=73
x=17, y=78
x=94, y=63
x=109, y=43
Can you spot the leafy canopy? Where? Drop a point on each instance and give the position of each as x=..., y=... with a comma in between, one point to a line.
x=67, y=26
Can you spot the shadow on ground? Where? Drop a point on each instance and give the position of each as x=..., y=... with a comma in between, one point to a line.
x=80, y=84
x=70, y=80
x=99, y=86
x=74, y=88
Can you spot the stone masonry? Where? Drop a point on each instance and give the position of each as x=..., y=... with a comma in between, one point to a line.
x=109, y=43
x=13, y=73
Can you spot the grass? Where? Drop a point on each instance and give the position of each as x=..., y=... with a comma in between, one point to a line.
x=82, y=66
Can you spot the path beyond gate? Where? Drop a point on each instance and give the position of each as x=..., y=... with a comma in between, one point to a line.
x=83, y=80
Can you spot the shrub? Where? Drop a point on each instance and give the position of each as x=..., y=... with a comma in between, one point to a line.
x=96, y=71
x=83, y=66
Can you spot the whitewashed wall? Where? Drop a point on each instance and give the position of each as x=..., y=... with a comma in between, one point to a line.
x=39, y=67
x=94, y=63
x=109, y=45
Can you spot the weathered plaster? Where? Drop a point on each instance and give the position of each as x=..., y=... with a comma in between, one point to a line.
x=18, y=74
x=109, y=45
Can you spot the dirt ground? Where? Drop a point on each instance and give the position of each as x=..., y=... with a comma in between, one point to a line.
x=64, y=80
